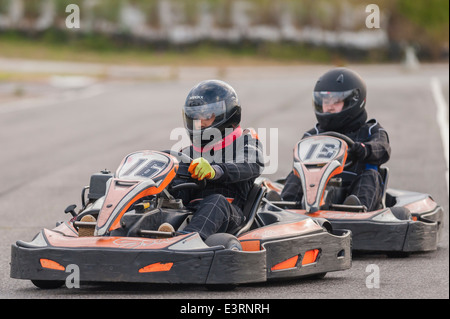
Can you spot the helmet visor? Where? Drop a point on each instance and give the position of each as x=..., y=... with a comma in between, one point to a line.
x=203, y=116
x=334, y=102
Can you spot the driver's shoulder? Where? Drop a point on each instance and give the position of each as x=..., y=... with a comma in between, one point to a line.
x=371, y=123
x=314, y=131
x=372, y=126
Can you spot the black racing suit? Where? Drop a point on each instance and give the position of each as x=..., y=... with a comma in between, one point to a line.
x=218, y=206
x=362, y=178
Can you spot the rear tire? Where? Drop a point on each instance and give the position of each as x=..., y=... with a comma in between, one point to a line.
x=401, y=213
x=223, y=239
x=325, y=224
x=221, y=287
x=320, y=276
x=398, y=254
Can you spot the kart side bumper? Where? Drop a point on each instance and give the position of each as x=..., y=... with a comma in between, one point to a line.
x=100, y=265
x=213, y=265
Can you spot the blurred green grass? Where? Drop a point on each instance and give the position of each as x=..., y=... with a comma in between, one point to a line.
x=54, y=45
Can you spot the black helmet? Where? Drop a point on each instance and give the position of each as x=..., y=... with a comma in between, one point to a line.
x=340, y=85
x=210, y=105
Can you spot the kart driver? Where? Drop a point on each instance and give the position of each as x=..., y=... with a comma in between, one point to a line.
x=224, y=154
x=339, y=99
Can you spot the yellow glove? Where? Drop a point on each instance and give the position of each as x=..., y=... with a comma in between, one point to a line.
x=200, y=169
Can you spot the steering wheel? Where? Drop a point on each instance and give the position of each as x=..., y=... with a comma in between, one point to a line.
x=183, y=173
x=346, y=139
x=181, y=157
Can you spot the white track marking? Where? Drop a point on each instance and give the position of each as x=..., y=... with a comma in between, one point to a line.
x=442, y=119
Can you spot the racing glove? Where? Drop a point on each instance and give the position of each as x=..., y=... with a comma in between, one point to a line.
x=200, y=169
x=358, y=151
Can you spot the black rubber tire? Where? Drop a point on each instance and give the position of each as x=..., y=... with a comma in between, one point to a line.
x=398, y=254
x=223, y=239
x=401, y=213
x=325, y=224
x=221, y=287
x=48, y=284
x=320, y=276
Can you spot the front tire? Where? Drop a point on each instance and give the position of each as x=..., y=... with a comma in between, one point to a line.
x=48, y=284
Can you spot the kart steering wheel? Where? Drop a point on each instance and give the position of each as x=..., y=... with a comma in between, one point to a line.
x=350, y=142
x=181, y=157
x=182, y=172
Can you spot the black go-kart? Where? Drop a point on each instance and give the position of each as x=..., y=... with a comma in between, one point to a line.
x=405, y=222
x=121, y=242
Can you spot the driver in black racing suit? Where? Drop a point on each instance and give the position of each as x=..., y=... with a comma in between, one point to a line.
x=224, y=154
x=339, y=99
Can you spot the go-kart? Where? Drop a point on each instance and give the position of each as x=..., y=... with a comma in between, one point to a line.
x=126, y=246
x=405, y=222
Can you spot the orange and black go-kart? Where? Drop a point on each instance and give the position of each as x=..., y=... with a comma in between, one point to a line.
x=126, y=246
x=405, y=222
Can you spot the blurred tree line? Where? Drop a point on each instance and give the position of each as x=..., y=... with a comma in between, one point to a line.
x=292, y=24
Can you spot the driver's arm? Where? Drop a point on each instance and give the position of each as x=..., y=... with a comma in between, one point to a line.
x=379, y=150
x=292, y=190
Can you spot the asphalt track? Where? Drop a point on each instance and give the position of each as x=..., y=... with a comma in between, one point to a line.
x=51, y=145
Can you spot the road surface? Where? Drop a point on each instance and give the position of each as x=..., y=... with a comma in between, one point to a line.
x=51, y=144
